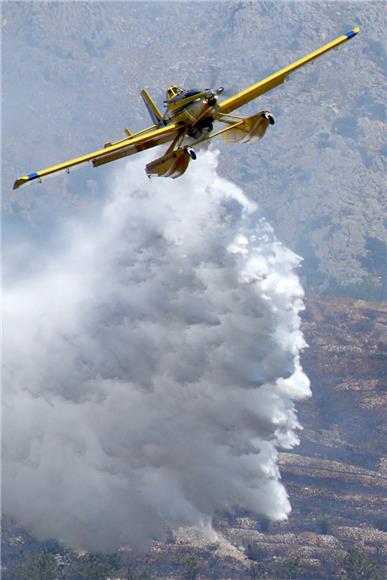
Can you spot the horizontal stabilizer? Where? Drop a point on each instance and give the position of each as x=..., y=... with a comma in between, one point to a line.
x=128, y=134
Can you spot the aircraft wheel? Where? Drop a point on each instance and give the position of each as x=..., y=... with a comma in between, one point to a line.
x=269, y=117
x=191, y=153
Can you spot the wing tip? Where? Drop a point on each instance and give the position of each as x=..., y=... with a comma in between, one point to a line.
x=20, y=182
x=353, y=32
x=24, y=179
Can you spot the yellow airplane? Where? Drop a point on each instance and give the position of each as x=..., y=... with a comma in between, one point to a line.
x=188, y=121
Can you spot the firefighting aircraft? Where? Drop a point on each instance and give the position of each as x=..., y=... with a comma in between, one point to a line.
x=188, y=121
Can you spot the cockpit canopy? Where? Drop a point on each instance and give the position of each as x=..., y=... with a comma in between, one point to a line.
x=176, y=94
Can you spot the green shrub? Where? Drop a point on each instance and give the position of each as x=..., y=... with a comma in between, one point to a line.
x=254, y=552
x=360, y=566
x=292, y=568
x=42, y=566
x=323, y=526
x=192, y=568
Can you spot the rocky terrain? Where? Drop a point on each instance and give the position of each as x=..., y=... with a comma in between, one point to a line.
x=336, y=480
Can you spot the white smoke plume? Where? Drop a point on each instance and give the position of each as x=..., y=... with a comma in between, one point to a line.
x=151, y=366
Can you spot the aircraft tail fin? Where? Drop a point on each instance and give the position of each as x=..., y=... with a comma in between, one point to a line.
x=153, y=111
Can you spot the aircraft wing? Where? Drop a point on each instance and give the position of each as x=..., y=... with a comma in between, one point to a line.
x=143, y=140
x=279, y=77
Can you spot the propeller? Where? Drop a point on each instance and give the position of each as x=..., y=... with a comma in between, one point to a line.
x=213, y=73
x=209, y=93
x=213, y=79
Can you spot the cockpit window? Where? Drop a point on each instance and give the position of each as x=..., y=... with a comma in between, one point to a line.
x=185, y=95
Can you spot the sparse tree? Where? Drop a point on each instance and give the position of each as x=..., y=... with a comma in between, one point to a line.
x=264, y=525
x=134, y=574
x=257, y=570
x=360, y=566
x=254, y=552
x=381, y=524
x=292, y=568
x=192, y=568
x=42, y=566
x=323, y=526
x=95, y=566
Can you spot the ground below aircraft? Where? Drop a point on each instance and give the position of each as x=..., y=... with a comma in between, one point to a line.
x=188, y=121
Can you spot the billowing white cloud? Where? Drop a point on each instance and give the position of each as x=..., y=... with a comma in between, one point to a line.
x=151, y=366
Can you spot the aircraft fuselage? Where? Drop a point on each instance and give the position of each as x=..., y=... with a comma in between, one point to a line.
x=193, y=109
